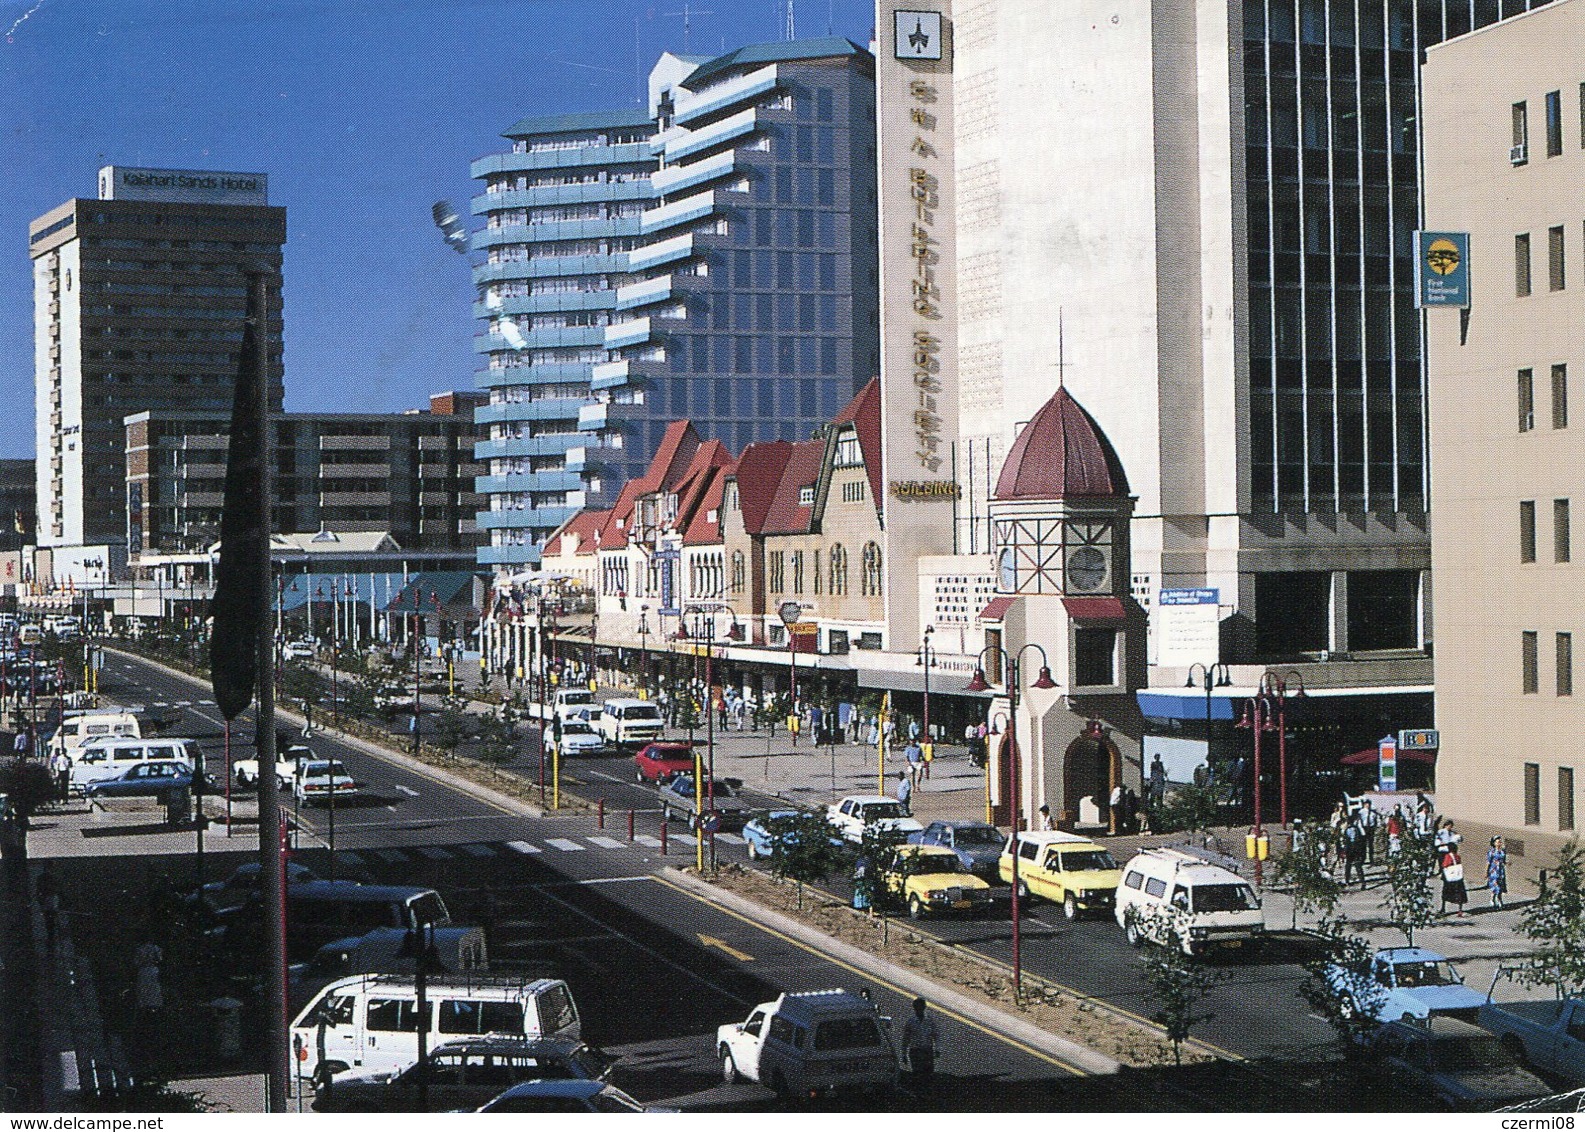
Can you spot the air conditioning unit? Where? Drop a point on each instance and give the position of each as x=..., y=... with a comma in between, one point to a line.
x=1519, y=154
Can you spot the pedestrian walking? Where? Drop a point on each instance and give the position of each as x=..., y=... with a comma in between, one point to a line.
x=61, y=771
x=1446, y=836
x=1395, y=824
x=1158, y=781
x=905, y=792
x=1497, y=871
x=916, y=759
x=19, y=745
x=1424, y=816
x=1453, y=890
x=927, y=752
x=1370, y=821
x=922, y=1042
x=1354, y=851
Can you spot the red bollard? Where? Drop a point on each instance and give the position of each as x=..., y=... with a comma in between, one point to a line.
x=600, y=821
x=662, y=839
x=630, y=815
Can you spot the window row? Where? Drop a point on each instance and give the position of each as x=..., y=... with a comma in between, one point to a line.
x=1556, y=261
x=1562, y=549
x=1526, y=384
x=1565, y=796
x=1519, y=153
x=1530, y=663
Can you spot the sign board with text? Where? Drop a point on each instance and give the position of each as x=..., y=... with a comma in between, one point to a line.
x=1186, y=627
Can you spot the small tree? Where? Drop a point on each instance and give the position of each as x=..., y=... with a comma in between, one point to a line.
x=1409, y=902
x=451, y=726
x=497, y=738
x=802, y=849
x=1303, y=870
x=1339, y=985
x=1190, y=807
x=1555, y=922
x=1174, y=980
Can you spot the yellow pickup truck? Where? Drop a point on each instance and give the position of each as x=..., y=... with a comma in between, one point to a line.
x=930, y=878
x=1063, y=868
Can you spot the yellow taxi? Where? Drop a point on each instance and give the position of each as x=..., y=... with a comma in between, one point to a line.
x=929, y=879
x=1063, y=868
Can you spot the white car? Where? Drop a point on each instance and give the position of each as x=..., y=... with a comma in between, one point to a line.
x=578, y=738
x=299, y=650
x=321, y=780
x=245, y=772
x=857, y=812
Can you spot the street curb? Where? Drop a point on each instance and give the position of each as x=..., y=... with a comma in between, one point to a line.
x=1081, y=1056
x=407, y=762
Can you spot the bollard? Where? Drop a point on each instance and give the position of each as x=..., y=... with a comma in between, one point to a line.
x=630, y=816
x=662, y=839
x=600, y=820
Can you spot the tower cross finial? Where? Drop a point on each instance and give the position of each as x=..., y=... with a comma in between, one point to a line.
x=1062, y=363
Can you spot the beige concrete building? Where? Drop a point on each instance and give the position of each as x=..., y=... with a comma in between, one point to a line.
x=1505, y=162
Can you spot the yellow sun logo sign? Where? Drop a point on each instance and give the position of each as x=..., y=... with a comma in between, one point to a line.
x=1442, y=257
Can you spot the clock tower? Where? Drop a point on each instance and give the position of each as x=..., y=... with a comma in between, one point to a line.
x=1060, y=525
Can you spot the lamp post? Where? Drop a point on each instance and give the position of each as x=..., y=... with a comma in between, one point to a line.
x=643, y=652
x=991, y=729
x=789, y=612
x=1042, y=681
x=927, y=660
x=1214, y=675
x=1274, y=689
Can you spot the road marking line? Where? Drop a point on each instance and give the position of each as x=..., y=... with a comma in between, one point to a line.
x=522, y=847
x=646, y=839
x=478, y=850
x=871, y=976
x=408, y=790
x=720, y=944
x=730, y=839
x=435, y=852
x=208, y=703
x=605, y=842
x=390, y=856
x=564, y=845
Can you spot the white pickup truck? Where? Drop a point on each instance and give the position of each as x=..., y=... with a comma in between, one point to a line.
x=1547, y=1035
x=245, y=772
x=811, y=1042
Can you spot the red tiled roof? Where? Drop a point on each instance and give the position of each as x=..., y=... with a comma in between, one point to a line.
x=1061, y=454
x=585, y=526
x=702, y=529
x=864, y=411
x=759, y=472
x=786, y=516
x=997, y=608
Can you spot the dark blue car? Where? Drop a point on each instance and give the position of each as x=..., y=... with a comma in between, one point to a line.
x=156, y=778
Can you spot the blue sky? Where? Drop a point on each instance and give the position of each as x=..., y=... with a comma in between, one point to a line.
x=362, y=112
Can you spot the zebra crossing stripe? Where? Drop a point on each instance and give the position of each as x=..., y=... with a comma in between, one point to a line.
x=478, y=850
x=522, y=847
x=564, y=845
x=435, y=852
x=730, y=839
x=646, y=839
x=605, y=842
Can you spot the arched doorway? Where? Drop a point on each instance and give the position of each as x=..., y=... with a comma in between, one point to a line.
x=1091, y=766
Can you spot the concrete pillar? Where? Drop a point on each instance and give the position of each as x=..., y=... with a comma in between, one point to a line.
x=1339, y=635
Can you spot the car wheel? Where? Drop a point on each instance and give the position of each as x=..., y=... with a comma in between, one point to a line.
x=1070, y=907
x=638, y=777
x=1132, y=934
x=729, y=1073
x=1347, y=1008
x=778, y=1084
x=1516, y=1050
x=916, y=910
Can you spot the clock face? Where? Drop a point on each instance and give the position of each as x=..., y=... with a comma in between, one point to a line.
x=1007, y=577
x=1086, y=568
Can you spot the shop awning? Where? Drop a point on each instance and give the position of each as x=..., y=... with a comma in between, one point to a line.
x=996, y=608
x=1094, y=608
x=1369, y=755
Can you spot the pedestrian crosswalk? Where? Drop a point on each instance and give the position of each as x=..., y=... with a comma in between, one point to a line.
x=486, y=850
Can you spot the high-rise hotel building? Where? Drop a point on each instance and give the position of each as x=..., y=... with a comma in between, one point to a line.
x=139, y=298
x=712, y=258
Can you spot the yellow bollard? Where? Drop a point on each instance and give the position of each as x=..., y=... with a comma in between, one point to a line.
x=1249, y=845
x=1262, y=847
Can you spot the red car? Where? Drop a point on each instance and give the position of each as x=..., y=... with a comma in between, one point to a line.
x=656, y=762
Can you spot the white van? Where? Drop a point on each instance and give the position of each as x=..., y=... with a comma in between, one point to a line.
x=1209, y=906
x=569, y=701
x=370, y=1020
x=810, y=1042
x=629, y=723
x=80, y=726
x=100, y=759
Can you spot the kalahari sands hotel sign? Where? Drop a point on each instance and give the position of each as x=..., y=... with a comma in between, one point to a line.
x=919, y=398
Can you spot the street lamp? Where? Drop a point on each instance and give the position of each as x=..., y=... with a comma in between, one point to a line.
x=926, y=659
x=706, y=630
x=643, y=652
x=1215, y=675
x=789, y=612
x=1044, y=682
x=1274, y=694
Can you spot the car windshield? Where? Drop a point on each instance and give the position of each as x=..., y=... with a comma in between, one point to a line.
x=1469, y=1051
x=873, y=810
x=323, y=769
x=1224, y=898
x=1077, y=859
x=641, y=711
x=974, y=835
x=938, y=863
x=1426, y=973
x=576, y=698
x=847, y=1033
x=576, y=729
x=670, y=754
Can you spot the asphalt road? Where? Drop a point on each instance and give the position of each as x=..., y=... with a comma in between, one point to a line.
x=654, y=969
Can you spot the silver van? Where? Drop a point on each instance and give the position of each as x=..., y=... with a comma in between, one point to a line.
x=629, y=723
x=100, y=759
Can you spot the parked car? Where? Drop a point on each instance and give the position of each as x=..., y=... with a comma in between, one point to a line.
x=321, y=780
x=978, y=845
x=467, y=1073
x=1063, y=868
x=578, y=738
x=858, y=812
x=721, y=800
x=157, y=778
x=758, y=839
x=1546, y=1035
x=656, y=762
x=299, y=650
x=1410, y=982
x=929, y=879
x=243, y=884
x=565, y=1096
x=810, y=1042
x=1457, y=1065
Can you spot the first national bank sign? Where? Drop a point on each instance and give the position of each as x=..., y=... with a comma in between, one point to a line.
x=197, y=186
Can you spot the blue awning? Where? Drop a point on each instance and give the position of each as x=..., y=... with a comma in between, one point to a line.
x=1161, y=703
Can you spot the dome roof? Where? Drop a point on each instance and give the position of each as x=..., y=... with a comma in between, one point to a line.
x=1061, y=454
